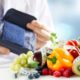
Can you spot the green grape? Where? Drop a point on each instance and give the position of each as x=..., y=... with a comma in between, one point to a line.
x=29, y=54
x=26, y=56
x=23, y=61
x=25, y=66
x=16, y=67
x=17, y=60
x=22, y=56
x=30, y=60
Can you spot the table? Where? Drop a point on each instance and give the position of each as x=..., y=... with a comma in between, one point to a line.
x=5, y=74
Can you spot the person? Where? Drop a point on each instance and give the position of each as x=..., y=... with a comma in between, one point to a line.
x=38, y=8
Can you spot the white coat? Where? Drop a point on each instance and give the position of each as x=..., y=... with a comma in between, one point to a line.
x=37, y=8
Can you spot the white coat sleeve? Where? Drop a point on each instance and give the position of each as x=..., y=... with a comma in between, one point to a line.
x=40, y=9
x=45, y=15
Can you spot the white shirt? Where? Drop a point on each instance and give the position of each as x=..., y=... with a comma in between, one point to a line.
x=37, y=8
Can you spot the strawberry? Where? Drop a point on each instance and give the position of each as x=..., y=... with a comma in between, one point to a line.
x=57, y=74
x=68, y=72
x=45, y=71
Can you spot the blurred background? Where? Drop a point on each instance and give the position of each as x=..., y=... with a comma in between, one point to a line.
x=66, y=17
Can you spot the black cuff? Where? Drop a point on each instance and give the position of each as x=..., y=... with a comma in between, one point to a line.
x=15, y=48
x=19, y=18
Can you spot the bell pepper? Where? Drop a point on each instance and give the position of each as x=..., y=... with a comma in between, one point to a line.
x=64, y=53
x=59, y=58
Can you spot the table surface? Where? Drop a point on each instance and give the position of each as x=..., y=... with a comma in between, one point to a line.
x=6, y=74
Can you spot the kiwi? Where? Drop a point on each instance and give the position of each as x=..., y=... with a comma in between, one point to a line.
x=76, y=66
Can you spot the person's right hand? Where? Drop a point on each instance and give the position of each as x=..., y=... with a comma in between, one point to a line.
x=42, y=33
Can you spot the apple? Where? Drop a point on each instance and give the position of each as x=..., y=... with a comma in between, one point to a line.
x=72, y=43
x=73, y=47
x=73, y=52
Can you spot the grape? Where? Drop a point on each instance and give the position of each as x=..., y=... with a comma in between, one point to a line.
x=23, y=61
x=36, y=75
x=16, y=67
x=29, y=54
x=25, y=66
x=30, y=60
x=22, y=56
x=17, y=60
x=30, y=76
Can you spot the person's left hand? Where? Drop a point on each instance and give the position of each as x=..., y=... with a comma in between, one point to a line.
x=42, y=33
x=4, y=51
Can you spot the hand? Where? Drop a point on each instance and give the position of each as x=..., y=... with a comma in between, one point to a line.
x=42, y=32
x=40, y=42
x=4, y=51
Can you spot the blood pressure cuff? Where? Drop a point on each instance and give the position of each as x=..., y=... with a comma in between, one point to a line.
x=14, y=29
x=18, y=35
x=19, y=18
x=15, y=48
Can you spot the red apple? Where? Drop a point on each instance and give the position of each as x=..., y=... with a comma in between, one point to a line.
x=72, y=43
x=74, y=52
x=75, y=42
